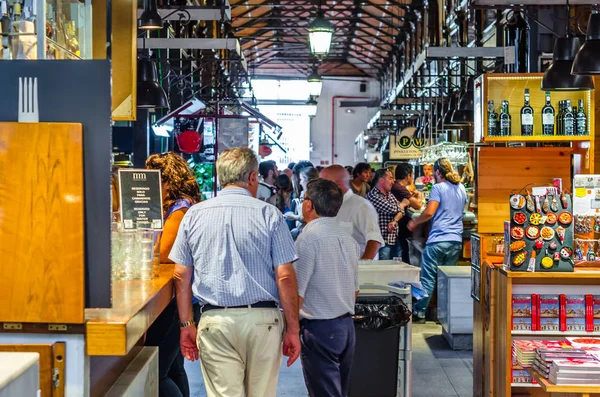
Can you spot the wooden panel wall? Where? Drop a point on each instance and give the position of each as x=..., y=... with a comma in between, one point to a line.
x=41, y=223
x=503, y=171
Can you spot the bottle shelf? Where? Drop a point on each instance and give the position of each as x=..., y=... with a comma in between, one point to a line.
x=538, y=138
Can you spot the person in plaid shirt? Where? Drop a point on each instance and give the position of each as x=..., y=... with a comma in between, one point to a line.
x=389, y=211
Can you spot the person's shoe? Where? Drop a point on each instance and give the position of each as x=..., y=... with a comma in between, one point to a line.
x=418, y=320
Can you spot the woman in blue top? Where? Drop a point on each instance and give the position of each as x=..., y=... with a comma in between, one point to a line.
x=179, y=191
x=445, y=208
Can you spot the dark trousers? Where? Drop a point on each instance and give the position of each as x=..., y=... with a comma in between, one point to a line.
x=327, y=355
x=164, y=333
x=405, y=254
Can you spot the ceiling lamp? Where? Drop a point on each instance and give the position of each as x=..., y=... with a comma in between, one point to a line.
x=320, y=32
x=150, y=19
x=149, y=92
x=315, y=82
x=311, y=106
x=587, y=61
x=558, y=76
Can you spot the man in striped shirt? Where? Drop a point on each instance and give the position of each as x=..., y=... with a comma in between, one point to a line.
x=240, y=251
x=327, y=271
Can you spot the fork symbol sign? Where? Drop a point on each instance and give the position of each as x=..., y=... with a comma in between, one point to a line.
x=28, y=100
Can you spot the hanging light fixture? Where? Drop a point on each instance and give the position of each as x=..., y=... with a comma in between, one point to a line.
x=558, y=76
x=315, y=82
x=320, y=33
x=150, y=19
x=587, y=60
x=149, y=92
x=311, y=105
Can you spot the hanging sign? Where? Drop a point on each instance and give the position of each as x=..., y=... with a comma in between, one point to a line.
x=141, y=198
x=405, y=145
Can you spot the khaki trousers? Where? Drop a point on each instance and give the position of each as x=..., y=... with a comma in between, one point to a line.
x=240, y=351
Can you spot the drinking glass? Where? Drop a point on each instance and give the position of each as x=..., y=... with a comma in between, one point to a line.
x=146, y=255
x=130, y=251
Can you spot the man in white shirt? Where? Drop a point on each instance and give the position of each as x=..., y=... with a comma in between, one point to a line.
x=357, y=214
x=268, y=171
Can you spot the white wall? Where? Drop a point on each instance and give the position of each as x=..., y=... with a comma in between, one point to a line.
x=347, y=125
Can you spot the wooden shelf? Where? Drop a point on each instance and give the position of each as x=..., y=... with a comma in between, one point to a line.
x=524, y=385
x=554, y=333
x=584, y=273
x=537, y=138
x=552, y=388
x=136, y=304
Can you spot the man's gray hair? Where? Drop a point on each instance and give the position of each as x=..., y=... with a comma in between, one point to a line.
x=235, y=165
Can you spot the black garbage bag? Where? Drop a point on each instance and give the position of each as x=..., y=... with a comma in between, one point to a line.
x=381, y=313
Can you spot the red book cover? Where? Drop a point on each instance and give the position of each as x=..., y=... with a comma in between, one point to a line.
x=563, y=312
x=535, y=316
x=589, y=313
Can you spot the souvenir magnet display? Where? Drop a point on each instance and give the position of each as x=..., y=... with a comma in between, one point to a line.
x=541, y=233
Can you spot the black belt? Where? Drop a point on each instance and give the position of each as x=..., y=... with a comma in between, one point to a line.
x=307, y=320
x=257, y=305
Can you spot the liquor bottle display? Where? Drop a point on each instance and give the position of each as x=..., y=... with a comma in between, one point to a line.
x=492, y=120
x=548, y=117
x=581, y=119
x=559, y=118
x=568, y=119
x=504, y=119
x=526, y=116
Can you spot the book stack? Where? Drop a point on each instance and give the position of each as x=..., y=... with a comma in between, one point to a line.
x=576, y=313
x=583, y=370
x=545, y=357
x=524, y=351
x=590, y=345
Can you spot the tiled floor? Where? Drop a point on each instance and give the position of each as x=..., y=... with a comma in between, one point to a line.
x=437, y=369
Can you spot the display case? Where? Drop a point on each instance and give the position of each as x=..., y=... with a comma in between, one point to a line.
x=66, y=27
x=512, y=88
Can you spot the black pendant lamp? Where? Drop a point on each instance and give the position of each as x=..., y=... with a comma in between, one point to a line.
x=558, y=76
x=587, y=60
x=150, y=19
x=464, y=113
x=149, y=92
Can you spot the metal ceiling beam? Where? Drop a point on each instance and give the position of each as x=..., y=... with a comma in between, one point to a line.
x=508, y=53
x=197, y=13
x=194, y=44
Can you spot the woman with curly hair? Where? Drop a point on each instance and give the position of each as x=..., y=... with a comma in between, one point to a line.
x=179, y=192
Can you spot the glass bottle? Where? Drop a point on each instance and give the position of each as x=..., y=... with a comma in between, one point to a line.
x=581, y=119
x=505, y=119
x=526, y=116
x=559, y=118
x=568, y=119
x=492, y=120
x=548, y=117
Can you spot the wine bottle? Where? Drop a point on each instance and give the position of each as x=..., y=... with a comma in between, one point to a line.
x=492, y=120
x=526, y=116
x=504, y=119
x=581, y=119
x=548, y=117
x=559, y=118
x=568, y=119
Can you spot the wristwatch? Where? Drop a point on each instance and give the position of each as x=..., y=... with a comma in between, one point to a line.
x=186, y=323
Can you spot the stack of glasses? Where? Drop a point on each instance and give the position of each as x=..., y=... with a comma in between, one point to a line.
x=133, y=252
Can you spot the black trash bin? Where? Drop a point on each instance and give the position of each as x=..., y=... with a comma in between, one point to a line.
x=379, y=321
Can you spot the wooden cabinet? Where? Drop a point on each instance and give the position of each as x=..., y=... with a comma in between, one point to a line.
x=52, y=365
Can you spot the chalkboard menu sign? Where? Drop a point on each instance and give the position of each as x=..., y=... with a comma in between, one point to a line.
x=141, y=198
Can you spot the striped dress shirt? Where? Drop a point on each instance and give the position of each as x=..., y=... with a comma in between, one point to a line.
x=234, y=242
x=327, y=270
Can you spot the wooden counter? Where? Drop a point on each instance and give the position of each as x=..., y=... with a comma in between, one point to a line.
x=584, y=390
x=136, y=304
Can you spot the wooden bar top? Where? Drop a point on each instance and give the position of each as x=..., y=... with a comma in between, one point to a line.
x=136, y=304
